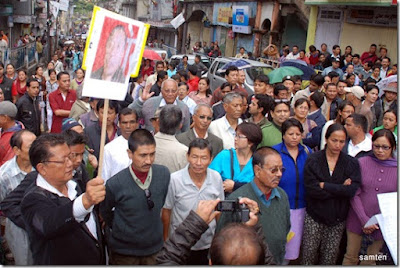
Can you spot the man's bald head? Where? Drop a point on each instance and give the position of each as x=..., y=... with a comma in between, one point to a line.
x=237, y=244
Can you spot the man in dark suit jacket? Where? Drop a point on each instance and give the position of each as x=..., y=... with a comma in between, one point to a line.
x=62, y=228
x=202, y=117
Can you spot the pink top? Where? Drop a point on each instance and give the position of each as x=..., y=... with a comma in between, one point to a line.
x=200, y=100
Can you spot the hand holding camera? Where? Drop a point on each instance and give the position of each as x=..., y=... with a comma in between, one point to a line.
x=244, y=209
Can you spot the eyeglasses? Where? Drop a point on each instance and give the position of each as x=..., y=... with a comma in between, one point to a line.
x=275, y=169
x=69, y=157
x=281, y=100
x=239, y=136
x=383, y=147
x=209, y=118
x=150, y=203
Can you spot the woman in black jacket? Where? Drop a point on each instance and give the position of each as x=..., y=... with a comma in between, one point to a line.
x=331, y=179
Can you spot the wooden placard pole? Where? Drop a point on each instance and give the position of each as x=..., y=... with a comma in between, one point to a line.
x=103, y=137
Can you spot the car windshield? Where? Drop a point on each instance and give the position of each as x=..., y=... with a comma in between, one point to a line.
x=253, y=72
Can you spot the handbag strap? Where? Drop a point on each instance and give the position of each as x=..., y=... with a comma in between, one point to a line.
x=232, y=172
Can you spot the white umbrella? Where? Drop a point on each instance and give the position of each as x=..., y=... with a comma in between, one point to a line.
x=69, y=42
x=384, y=82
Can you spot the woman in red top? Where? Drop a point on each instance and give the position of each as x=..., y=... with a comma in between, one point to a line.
x=19, y=86
x=147, y=69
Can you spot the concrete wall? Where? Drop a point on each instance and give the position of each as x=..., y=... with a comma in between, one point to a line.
x=294, y=33
x=360, y=37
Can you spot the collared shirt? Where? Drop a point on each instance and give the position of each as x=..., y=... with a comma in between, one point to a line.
x=197, y=135
x=261, y=123
x=78, y=209
x=10, y=177
x=222, y=129
x=383, y=72
x=184, y=196
x=365, y=146
x=57, y=102
x=146, y=183
x=115, y=157
x=163, y=102
x=191, y=104
x=274, y=194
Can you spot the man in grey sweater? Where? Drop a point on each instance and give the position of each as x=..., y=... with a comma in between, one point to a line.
x=133, y=203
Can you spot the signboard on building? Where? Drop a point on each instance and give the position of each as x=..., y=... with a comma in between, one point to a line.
x=22, y=19
x=373, y=16
x=64, y=4
x=221, y=14
x=240, y=19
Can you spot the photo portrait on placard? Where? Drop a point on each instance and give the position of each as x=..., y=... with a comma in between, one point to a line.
x=116, y=44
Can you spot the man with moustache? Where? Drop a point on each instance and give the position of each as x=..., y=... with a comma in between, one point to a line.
x=133, y=203
x=272, y=200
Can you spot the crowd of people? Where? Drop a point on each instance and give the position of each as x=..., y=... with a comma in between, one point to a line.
x=307, y=163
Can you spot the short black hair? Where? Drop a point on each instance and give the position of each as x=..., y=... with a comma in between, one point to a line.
x=261, y=153
x=200, y=144
x=231, y=69
x=30, y=80
x=39, y=151
x=318, y=98
x=360, y=120
x=192, y=69
x=185, y=57
x=126, y=111
x=140, y=137
x=317, y=79
x=160, y=62
x=61, y=74
x=279, y=87
x=356, y=56
x=262, y=78
x=183, y=74
x=161, y=75
x=333, y=74
x=291, y=122
x=74, y=138
x=112, y=105
x=265, y=102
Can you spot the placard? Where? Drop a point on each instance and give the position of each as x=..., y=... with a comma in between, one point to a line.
x=113, y=53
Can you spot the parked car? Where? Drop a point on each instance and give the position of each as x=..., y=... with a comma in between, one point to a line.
x=218, y=78
x=177, y=58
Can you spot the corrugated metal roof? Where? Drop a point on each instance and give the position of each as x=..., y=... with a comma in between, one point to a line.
x=350, y=3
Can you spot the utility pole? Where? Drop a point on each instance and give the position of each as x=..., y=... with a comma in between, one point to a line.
x=49, y=42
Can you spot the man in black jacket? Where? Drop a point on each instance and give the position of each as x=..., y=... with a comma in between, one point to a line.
x=227, y=246
x=62, y=228
x=28, y=107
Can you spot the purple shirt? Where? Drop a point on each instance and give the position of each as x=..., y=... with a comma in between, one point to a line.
x=375, y=179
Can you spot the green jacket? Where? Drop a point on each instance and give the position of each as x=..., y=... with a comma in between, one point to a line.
x=272, y=135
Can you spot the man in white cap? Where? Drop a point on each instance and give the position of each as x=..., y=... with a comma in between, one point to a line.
x=354, y=95
x=8, y=125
